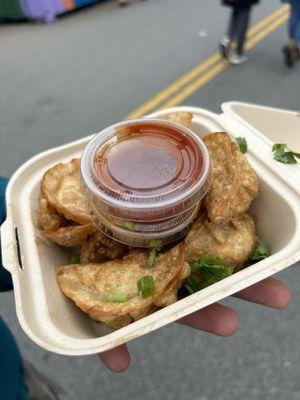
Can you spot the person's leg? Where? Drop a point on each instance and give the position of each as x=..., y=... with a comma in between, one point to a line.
x=243, y=24
x=233, y=24
x=225, y=43
x=294, y=28
x=290, y=51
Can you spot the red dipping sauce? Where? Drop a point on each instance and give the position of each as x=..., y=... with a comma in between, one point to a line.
x=145, y=171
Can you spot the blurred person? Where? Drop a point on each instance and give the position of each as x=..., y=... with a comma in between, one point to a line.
x=19, y=380
x=291, y=51
x=237, y=30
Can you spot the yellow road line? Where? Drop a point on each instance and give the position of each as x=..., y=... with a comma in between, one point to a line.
x=186, y=78
x=221, y=66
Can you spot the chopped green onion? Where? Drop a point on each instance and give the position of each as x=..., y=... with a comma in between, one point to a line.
x=241, y=142
x=151, y=258
x=283, y=154
x=155, y=244
x=146, y=286
x=75, y=259
x=128, y=225
x=205, y=271
x=115, y=298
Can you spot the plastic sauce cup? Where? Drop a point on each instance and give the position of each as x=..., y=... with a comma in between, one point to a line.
x=144, y=179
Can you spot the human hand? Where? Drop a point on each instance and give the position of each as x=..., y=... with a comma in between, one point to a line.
x=216, y=318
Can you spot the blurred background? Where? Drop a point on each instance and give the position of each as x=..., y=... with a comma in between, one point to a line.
x=66, y=73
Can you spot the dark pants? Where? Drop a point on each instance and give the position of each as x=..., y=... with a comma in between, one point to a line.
x=294, y=22
x=238, y=27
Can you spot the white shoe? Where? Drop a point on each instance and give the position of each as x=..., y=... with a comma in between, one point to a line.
x=237, y=59
x=224, y=49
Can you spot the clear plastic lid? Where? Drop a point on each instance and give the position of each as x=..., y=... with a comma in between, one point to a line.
x=145, y=170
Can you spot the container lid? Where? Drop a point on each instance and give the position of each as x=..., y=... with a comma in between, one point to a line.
x=277, y=125
x=145, y=165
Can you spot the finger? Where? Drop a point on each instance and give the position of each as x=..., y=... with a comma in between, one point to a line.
x=116, y=360
x=269, y=292
x=216, y=318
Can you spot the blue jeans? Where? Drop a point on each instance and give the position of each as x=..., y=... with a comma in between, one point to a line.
x=12, y=377
x=294, y=21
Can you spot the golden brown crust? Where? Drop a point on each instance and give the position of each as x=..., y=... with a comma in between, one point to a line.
x=235, y=183
x=87, y=285
x=70, y=236
x=99, y=247
x=181, y=118
x=169, y=296
x=63, y=190
x=233, y=242
x=48, y=217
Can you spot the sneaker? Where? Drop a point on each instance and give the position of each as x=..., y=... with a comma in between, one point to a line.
x=224, y=47
x=237, y=59
x=288, y=56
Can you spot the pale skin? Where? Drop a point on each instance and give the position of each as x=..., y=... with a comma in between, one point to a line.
x=216, y=319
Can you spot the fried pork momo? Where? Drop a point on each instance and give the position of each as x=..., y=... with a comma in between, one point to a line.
x=99, y=247
x=48, y=218
x=235, y=183
x=181, y=118
x=169, y=295
x=62, y=188
x=233, y=242
x=90, y=286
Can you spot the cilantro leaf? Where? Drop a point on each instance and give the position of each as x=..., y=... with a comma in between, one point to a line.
x=283, y=154
x=243, y=146
x=146, y=286
x=279, y=147
x=260, y=252
x=115, y=298
x=205, y=271
x=285, y=158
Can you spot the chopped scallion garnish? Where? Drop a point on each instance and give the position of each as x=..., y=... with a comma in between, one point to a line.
x=146, y=286
x=115, y=298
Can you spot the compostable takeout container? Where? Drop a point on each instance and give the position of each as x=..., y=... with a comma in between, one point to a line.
x=54, y=322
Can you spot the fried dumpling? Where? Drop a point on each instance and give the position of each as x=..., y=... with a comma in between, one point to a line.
x=169, y=296
x=48, y=218
x=235, y=183
x=70, y=236
x=99, y=247
x=63, y=190
x=233, y=242
x=181, y=118
x=89, y=285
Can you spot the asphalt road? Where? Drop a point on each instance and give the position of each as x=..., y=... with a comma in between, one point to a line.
x=63, y=81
